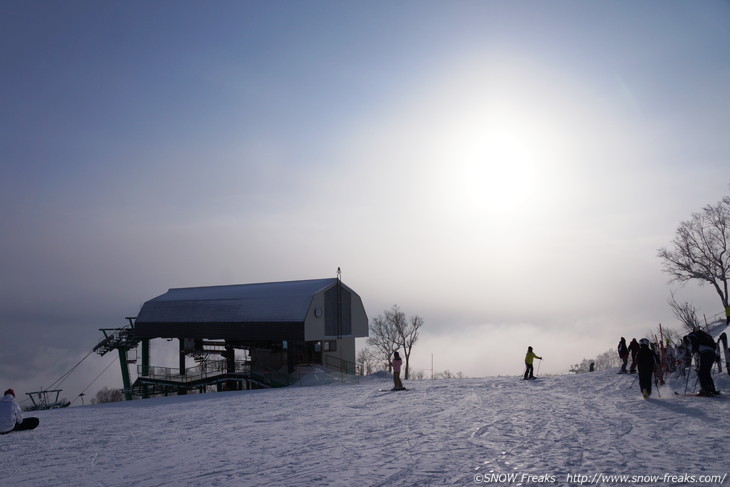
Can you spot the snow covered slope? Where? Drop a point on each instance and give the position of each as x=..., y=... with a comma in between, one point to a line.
x=443, y=432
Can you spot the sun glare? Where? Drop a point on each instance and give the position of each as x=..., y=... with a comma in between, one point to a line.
x=499, y=175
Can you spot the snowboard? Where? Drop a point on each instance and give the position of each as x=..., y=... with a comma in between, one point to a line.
x=723, y=341
x=27, y=424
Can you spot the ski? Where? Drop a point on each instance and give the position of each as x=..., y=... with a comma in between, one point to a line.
x=701, y=395
x=697, y=394
x=392, y=390
x=723, y=340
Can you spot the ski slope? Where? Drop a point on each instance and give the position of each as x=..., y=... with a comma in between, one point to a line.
x=560, y=430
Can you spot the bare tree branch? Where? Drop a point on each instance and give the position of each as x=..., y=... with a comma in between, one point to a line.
x=685, y=312
x=408, y=332
x=700, y=250
x=384, y=337
x=368, y=360
x=393, y=331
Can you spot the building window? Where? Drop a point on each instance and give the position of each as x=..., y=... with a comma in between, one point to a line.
x=337, y=312
x=330, y=346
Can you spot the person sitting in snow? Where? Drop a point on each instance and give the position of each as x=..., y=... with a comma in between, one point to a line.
x=701, y=343
x=11, y=417
x=623, y=353
x=396, y=364
x=529, y=358
x=634, y=349
x=647, y=362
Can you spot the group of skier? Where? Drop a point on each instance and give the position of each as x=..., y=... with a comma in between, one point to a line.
x=645, y=358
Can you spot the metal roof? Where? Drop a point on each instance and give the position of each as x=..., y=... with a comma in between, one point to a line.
x=273, y=302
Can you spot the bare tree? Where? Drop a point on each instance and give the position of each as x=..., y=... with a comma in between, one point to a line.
x=408, y=331
x=393, y=331
x=668, y=335
x=366, y=358
x=447, y=374
x=384, y=337
x=606, y=360
x=700, y=250
x=685, y=312
x=583, y=367
x=105, y=395
x=671, y=336
x=417, y=374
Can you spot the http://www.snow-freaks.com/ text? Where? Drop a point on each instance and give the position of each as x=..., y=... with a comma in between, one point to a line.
x=598, y=478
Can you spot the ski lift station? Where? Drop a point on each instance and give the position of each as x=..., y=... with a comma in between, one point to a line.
x=240, y=336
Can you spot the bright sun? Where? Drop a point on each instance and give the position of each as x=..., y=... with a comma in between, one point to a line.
x=499, y=175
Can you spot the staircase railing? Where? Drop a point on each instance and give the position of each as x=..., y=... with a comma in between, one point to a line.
x=342, y=365
x=204, y=370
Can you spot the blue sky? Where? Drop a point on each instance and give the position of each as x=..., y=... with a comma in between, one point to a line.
x=505, y=170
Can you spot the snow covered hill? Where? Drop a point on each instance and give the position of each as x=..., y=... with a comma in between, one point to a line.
x=562, y=430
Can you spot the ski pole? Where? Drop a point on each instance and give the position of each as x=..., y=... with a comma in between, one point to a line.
x=634, y=381
x=686, y=380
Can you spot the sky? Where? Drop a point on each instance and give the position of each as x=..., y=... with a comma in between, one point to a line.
x=505, y=170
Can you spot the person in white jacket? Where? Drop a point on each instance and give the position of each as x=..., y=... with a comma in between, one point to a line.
x=11, y=416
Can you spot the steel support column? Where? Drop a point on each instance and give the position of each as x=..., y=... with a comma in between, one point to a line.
x=125, y=374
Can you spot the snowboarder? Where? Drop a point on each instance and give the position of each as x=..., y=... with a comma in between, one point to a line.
x=634, y=349
x=11, y=417
x=646, y=361
x=623, y=353
x=529, y=358
x=701, y=343
x=396, y=364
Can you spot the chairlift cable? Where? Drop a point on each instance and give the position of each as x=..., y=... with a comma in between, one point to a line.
x=105, y=369
x=60, y=380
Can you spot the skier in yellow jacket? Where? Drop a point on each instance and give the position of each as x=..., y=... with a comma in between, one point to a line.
x=529, y=358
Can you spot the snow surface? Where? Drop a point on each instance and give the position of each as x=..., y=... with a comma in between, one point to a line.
x=460, y=432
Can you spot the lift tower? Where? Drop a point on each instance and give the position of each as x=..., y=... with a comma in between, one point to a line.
x=123, y=340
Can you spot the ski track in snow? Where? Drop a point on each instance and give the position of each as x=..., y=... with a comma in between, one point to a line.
x=441, y=432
